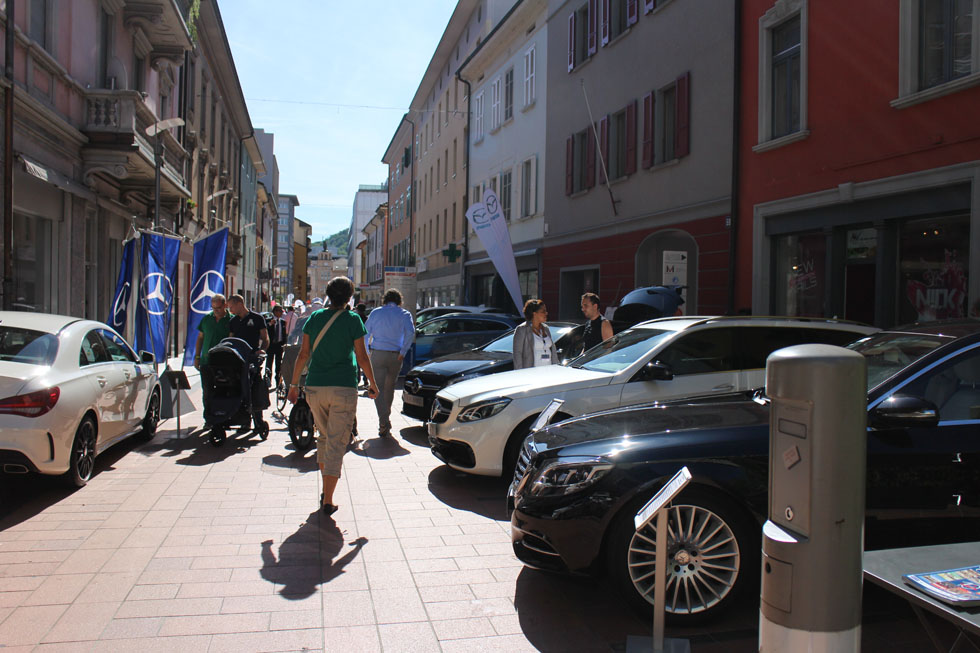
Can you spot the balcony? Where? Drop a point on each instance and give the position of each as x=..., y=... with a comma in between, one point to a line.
x=115, y=123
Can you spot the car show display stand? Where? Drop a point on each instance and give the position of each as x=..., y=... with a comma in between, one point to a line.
x=656, y=508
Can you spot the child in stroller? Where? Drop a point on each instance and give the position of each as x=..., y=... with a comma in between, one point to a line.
x=237, y=392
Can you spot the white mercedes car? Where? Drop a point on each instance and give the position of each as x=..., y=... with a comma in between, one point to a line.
x=69, y=390
x=478, y=425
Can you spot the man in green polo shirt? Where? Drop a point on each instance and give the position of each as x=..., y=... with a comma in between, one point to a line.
x=214, y=328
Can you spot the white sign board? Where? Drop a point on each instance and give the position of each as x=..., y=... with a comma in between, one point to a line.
x=402, y=279
x=662, y=498
x=675, y=271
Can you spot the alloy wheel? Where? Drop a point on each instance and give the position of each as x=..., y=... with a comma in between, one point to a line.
x=84, y=450
x=703, y=560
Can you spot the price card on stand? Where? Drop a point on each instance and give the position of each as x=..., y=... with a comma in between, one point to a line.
x=663, y=497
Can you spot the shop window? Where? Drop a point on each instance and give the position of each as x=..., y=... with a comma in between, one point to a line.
x=800, y=275
x=35, y=264
x=934, y=266
x=528, y=280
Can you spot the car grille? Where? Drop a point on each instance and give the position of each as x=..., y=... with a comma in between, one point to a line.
x=441, y=410
x=524, y=460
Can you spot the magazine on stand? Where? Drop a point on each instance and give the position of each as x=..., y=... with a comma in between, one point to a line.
x=958, y=587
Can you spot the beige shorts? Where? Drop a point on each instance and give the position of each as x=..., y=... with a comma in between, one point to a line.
x=334, y=408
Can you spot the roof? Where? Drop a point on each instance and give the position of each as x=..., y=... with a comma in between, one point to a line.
x=45, y=322
x=949, y=328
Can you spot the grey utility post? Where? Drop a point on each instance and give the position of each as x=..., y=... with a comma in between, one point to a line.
x=813, y=542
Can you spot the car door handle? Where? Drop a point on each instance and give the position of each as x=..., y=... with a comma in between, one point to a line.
x=724, y=386
x=101, y=380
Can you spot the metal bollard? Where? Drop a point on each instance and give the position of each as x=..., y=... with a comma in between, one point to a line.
x=813, y=541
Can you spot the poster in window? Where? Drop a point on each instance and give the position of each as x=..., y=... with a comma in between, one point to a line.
x=934, y=267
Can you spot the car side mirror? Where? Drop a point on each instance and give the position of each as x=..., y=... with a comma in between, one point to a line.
x=147, y=357
x=655, y=371
x=904, y=411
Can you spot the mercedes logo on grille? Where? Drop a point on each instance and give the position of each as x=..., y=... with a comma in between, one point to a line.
x=413, y=385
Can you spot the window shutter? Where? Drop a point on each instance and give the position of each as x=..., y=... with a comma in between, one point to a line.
x=590, y=157
x=682, y=138
x=647, y=130
x=593, y=23
x=532, y=207
x=631, y=137
x=632, y=12
x=604, y=147
x=571, y=41
x=570, y=165
x=605, y=22
x=647, y=6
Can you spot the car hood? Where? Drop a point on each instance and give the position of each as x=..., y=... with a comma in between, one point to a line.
x=637, y=423
x=528, y=382
x=469, y=361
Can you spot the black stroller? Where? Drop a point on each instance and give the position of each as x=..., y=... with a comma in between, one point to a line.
x=237, y=394
x=302, y=430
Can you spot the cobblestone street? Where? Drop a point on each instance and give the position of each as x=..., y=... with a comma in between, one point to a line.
x=177, y=545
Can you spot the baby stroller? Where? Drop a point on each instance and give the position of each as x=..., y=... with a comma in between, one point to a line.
x=237, y=392
x=300, y=424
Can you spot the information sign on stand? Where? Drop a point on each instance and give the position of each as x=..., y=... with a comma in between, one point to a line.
x=546, y=415
x=656, y=508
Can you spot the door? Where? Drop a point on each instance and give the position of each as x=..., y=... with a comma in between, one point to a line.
x=110, y=386
x=426, y=338
x=935, y=470
x=703, y=362
x=859, y=292
x=137, y=379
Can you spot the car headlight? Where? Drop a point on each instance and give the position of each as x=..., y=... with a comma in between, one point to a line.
x=565, y=476
x=483, y=410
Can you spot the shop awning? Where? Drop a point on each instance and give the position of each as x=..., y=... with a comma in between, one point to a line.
x=55, y=178
x=517, y=254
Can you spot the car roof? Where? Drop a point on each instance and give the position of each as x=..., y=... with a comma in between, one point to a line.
x=947, y=328
x=681, y=322
x=45, y=322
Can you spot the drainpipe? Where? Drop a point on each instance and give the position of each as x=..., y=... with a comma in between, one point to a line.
x=466, y=192
x=736, y=144
x=8, y=160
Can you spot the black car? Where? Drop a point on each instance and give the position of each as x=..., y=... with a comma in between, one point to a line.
x=423, y=381
x=580, y=482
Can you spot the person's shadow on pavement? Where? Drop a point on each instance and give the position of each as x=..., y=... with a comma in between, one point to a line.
x=308, y=557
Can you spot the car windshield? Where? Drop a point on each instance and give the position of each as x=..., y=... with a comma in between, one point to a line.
x=27, y=346
x=889, y=353
x=621, y=350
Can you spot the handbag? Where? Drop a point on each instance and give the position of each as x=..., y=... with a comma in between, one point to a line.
x=319, y=337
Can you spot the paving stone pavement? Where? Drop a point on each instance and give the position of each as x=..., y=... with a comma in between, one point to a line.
x=179, y=546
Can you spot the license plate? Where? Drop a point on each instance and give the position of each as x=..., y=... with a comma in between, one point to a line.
x=413, y=400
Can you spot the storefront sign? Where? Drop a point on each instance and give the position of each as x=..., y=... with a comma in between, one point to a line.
x=941, y=291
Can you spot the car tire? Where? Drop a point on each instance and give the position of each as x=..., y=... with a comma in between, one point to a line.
x=152, y=418
x=717, y=557
x=513, y=449
x=81, y=461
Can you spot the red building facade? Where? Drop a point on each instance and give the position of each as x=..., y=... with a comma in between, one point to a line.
x=859, y=160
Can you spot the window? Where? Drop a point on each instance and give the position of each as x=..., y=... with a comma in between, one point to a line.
x=581, y=34
x=454, y=220
x=505, y=193
x=782, y=74
x=438, y=121
x=529, y=77
x=39, y=22
x=954, y=387
x=756, y=343
x=139, y=74
x=528, y=280
x=579, y=162
x=702, y=352
x=445, y=215
x=438, y=173
x=786, y=78
x=476, y=197
x=117, y=349
x=621, y=155
x=495, y=104
x=668, y=123
x=35, y=264
x=92, y=350
x=621, y=14
x=509, y=95
x=478, y=117
x=455, y=151
x=945, y=41
x=529, y=192
x=105, y=48
x=445, y=168
x=436, y=236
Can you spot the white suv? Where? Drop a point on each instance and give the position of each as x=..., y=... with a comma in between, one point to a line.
x=477, y=426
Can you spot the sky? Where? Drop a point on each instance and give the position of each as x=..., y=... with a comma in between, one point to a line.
x=331, y=80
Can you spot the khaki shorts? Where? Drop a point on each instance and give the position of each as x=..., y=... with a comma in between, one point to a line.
x=334, y=408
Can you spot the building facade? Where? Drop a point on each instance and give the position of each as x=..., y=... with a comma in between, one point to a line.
x=860, y=184
x=638, y=181
x=367, y=199
x=302, y=233
x=373, y=257
x=508, y=76
x=283, y=280
x=398, y=245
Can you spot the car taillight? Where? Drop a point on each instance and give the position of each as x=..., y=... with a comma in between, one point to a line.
x=33, y=404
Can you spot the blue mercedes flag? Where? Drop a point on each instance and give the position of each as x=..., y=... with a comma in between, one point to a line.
x=158, y=262
x=207, y=280
x=119, y=314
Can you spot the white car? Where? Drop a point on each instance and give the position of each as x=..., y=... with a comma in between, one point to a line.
x=478, y=425
x=69, y=390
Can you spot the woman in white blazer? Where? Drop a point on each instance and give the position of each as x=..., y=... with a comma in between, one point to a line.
x=533, y=345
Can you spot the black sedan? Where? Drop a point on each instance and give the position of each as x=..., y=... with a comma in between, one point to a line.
x=423, y=381
x=580, y=482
